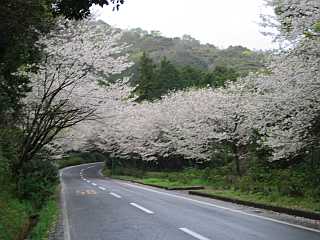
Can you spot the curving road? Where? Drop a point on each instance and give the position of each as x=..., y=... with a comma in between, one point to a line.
x=96, y=208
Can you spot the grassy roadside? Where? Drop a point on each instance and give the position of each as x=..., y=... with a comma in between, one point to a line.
x=162, y=179
x=273, y=199
x=48, y=217
x=14, y=216
x=182, y=179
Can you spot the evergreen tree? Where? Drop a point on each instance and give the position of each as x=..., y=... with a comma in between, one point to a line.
x=219, y=76
x=147, y=79
x=168, y=78
x=191, y=77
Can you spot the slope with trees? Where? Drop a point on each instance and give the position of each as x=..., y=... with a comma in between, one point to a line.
x=157, y=80
x=189, y=51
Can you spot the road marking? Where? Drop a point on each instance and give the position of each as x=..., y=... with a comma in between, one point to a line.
x=84, y=179
x=66, y=224
x=91, y=192
x=142, y=208
x=115, y=195
x=224, y=208
x=100, y=173
x=193, y=234
x=102, y=188
x=88, y=181
x=94, y=184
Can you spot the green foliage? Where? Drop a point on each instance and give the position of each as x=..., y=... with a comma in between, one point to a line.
x=167, y=78
x=37, y=181
x=13, y=212
x=80, y=9
x=47, y=217
x=14, y=215
x=294, y=184
x=157, y=80
x=273, y=199
x=188, y=51
x=18, y=34
x=80, y=158
x=317, y=27
x=147, y=81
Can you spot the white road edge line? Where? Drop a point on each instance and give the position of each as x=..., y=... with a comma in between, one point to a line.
x=66, y=225
x=102, y=188
x=142, y=208
x=225, y=208
x=94, y=184
x=115, y=195
x=193, y=234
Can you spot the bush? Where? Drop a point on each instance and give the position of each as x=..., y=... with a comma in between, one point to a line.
x=47, y=217
x=14, y=215
x=37, y=181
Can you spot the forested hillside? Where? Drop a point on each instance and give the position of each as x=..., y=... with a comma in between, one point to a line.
x=187, y=51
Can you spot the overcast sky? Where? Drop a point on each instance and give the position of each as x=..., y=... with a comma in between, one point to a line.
x=219, y=22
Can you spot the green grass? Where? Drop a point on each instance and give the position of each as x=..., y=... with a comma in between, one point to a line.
x=14, y=215
x=271, y=199
x=47, y=217
x=162, y=179
x=215, y=185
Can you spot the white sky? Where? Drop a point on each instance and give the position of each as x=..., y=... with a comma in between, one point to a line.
x=219, y=22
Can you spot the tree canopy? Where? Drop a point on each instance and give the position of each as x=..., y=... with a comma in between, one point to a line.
x=156, y=80
x=21, y=24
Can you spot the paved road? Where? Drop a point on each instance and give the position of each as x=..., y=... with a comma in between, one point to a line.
x=96, y=208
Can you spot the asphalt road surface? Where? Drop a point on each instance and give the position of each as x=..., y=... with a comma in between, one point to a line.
x=96, y=208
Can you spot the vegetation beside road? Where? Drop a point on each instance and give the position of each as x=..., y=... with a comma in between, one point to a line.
x=48, y=216
x=79, y=158
x=292, y=187
x=29, y=200
x=14, y=215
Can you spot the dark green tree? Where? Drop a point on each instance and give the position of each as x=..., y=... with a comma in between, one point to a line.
x=168, y=78
x=219, y=76
x=79, y=9
x=147, y=79
x=191, y=77
x=21, y=22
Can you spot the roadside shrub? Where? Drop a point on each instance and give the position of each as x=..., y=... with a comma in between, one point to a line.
x=37, y=181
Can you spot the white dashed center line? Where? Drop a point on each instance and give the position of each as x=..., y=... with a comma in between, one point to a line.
x=102, y=188
x=193, y=234
x=88, y=181
x=142, y=208
x=115, y=195
x=94, y=184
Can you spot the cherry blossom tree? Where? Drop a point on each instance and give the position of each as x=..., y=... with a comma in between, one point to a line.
x=294, y=18
x=65, y=91
x=281, y=105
